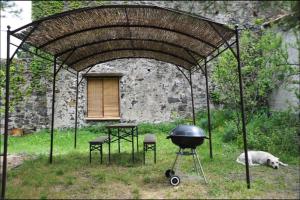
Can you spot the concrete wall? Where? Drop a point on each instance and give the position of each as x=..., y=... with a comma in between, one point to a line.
x=284, y=97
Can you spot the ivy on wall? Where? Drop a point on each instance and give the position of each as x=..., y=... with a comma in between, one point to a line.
x=44, y=8
x=16, y=81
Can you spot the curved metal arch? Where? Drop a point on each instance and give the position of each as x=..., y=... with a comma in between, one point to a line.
x=134, y=39
x=125, y=25
x=130, y=49
x=129, y=57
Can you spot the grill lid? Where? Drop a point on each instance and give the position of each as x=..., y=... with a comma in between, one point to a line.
x=187, y=131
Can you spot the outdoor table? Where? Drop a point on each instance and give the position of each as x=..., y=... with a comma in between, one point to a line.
x=126, y=132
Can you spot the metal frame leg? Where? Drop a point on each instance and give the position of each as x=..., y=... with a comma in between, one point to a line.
x=137, y=139
x=76, y=111
x=132, y=142
x=53, y=104
x=119, y=147
x=192, y=96
x=242, y=107
x=109, y=141
x=208, y=111
x=7, y=75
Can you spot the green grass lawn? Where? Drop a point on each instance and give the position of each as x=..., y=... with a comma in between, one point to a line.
x=72, y=176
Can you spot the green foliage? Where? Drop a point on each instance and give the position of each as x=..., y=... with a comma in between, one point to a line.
x=41, y=73
x=76, y=4
x=45, y=8
x=17, y=80
x=230, y=132
x=277, y=133
x=265, y=68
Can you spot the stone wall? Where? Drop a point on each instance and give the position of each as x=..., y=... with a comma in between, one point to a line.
x=151, y=91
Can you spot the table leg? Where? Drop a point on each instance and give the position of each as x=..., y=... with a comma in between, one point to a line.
x=109, y=139
x=101, y=154
x=90, y=153
x=119, y=140
x=132, y=140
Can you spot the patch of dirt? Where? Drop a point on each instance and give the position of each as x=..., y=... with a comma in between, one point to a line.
x=14, y=160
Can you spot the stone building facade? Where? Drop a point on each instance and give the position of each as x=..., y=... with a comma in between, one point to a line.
x=150, y=91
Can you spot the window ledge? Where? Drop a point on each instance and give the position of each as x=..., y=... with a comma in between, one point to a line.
x=101, y=118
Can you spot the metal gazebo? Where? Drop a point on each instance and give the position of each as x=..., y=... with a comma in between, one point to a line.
x=82, y=38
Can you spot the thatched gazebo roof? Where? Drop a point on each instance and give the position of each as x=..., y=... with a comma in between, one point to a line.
x=88, y=36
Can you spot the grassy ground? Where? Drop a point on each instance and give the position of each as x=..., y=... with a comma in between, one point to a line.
x=71, y=175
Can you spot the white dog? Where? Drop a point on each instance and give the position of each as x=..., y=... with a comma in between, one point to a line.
x=260, y=157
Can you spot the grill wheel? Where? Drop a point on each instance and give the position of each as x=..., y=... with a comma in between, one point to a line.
x=174, y=180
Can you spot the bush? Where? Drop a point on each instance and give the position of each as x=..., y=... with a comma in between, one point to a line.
x=276, y=134
x=230, y=132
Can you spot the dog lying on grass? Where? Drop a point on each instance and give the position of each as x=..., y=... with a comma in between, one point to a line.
x=260, y=158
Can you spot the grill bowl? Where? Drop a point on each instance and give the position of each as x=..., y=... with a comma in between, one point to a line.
x=186, y=136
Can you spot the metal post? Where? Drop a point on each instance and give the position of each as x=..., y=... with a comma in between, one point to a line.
x=53, y=103
x=192, y=95
x=242, y=107
x=119, y=148
x=137, y=139
x=109, y=141
x=76, y=109
x=208, y=110
x=132, y=140
x=7, y=75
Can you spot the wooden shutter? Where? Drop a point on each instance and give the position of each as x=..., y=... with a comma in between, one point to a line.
x=95, y=98
x=111, y=97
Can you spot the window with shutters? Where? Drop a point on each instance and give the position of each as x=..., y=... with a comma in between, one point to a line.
x=103, y=98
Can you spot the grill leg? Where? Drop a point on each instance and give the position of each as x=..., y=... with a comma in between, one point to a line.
x=174, y=164
x=154, y=146
x=101, y=153
x=144, y=154
x=200, y=166
x=195, y=163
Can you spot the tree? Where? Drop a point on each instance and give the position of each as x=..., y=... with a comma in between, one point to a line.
x=9, y=7
x=265, y=67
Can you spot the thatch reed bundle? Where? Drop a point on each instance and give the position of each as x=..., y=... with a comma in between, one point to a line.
x=93, y=35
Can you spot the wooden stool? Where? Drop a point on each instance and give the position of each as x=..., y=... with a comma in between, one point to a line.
x=149, y=144
x=97, y=145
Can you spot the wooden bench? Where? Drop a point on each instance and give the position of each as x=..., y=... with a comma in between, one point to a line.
x=149, y=144
x=96, y=144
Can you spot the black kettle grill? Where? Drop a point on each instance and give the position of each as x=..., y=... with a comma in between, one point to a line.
x=186, y=137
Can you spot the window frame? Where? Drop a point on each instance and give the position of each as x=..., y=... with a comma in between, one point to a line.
x=102, y=76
